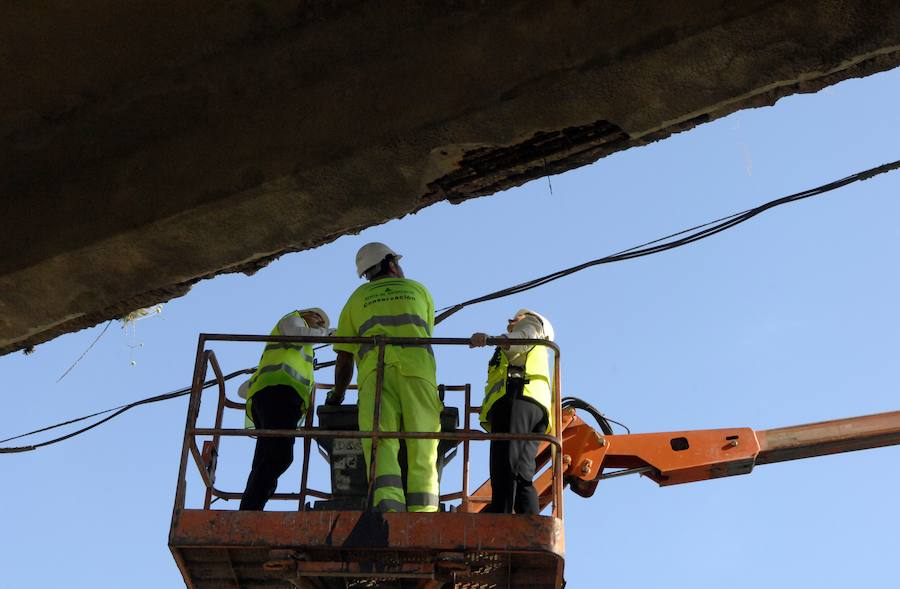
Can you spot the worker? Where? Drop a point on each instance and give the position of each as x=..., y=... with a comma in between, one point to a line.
x=517, y=400
x=391, y=305
x=277, y=397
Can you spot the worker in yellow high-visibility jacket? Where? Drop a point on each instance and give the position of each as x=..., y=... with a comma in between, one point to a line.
x=391, y=305
x=518, y=400
x=277, y=397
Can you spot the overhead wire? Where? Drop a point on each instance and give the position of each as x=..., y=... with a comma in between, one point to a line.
x=689, y=236
x=84, y=353
x=658, y=245
x=117, y=411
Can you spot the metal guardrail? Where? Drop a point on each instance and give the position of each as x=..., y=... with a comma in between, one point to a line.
x=206, y=460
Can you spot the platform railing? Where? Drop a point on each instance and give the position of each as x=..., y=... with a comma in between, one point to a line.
x=206, y=460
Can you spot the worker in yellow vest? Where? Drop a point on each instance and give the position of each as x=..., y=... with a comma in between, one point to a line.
x=277, y=397
x=391, y=305
x=517, y=400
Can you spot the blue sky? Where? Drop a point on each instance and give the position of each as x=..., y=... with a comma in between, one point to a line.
x=790, y=318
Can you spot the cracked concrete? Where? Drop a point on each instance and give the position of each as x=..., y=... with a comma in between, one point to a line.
x=148, y=145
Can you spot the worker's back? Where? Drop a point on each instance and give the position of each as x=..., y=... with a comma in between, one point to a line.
x=395, y=307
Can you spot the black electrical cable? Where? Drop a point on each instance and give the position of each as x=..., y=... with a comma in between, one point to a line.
x=602, y=420
x=690, y=235
x=118, y=411
x=618, y=423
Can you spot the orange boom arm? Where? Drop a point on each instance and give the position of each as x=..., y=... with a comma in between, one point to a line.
x=673, y=458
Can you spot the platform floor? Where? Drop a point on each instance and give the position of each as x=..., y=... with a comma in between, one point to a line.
x=343, y=549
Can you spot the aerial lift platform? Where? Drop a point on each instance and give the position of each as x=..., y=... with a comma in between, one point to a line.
x=335, y=540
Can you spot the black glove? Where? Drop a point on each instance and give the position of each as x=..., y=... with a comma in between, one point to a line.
x=332, y=399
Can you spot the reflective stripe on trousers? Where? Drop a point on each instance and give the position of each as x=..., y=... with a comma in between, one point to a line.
x=387, y=488
x=388, y=505
x=422, y=501
x=414, y=501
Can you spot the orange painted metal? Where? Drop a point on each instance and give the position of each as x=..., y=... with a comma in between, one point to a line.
x=219, y=549
x=674, y=458
x=345, y=530
x=678, y=457
x=480, y=498
x=206, y=358
x=321, y=549
x=669, y=458
x=829, y=437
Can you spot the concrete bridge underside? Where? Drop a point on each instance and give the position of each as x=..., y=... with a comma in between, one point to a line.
x=147, y=145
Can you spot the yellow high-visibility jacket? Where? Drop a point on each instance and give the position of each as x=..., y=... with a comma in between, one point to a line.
x=537, y=382
x=283, y=364
x=397, y=307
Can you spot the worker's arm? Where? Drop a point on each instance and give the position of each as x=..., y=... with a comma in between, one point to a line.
x=479, y=340
x=296, y=326
x=529, y=327
x=343, y=364
x=244, y=389
x=343, y=374
x=526, y=328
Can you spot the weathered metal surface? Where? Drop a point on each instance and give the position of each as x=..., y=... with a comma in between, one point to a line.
x=462, y=549
x=206, y=358
x=350, y=529
x=680, y=457
x=669, y=458
x=673, y=458
x=340, y=549
x=217, y=549
x=829, y=437
x=340, y=434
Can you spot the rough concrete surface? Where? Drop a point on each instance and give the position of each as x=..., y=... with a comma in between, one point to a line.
x=147, y=145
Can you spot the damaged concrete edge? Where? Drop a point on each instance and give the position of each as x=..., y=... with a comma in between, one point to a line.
x=78, y=322
x=477, y=174
x=482, y=170
x=808, y=83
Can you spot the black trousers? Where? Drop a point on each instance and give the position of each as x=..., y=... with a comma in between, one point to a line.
x=512, y=463
x=276, y=407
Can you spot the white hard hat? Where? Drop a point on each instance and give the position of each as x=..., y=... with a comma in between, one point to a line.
x=548, y=327
x=320, y=312
x=371, y=254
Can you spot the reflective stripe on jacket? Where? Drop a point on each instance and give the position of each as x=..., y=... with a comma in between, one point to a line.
x=283, y=364
x=537, y=382
x=394, y=307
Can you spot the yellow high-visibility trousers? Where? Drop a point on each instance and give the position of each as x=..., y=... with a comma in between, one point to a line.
x=408, y=404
